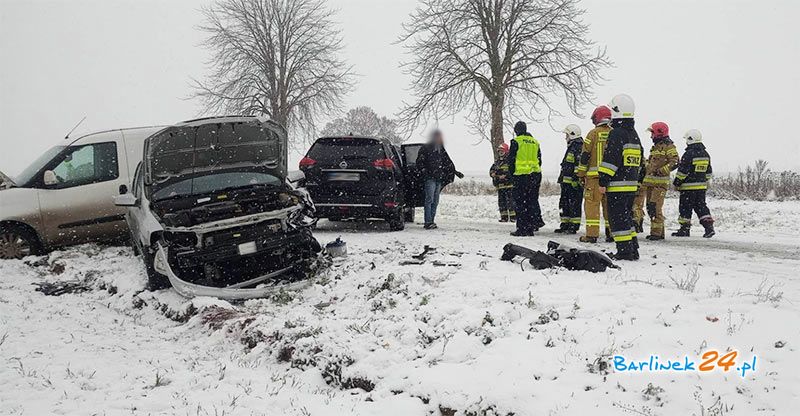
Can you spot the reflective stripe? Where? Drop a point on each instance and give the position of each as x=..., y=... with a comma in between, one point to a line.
x=693, y=186
x=656, y=179
x=700, y=158
x=581, y=168
x=568, y=180
x=681, y=175
x=631, y=146
x=592, y=222
x=570, y=158
x=622, y=186
x=607, y=168
x=576, y=220
x=705, y=216
x=684, y=221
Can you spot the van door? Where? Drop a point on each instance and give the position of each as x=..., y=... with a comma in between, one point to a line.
x=415, y=194
x=80, y=207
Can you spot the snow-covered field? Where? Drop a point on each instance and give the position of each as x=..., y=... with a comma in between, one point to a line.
x=373, y=337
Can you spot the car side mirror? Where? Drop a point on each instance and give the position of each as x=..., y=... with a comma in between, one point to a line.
x=123, y=189
x=50, y=178
x=126, y=200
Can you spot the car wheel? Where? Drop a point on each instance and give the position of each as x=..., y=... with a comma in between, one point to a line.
x=408, y=214
x=155, y=280
x=396, y=222
x=18, y=242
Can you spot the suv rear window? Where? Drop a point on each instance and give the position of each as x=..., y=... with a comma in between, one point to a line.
x=346, y=148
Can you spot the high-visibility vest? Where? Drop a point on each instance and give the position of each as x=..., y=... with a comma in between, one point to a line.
x=527, y=160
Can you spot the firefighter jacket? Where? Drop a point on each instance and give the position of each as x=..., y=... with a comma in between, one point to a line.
x=524, y=156
x=622, y=159
x=663, y=159
x=694, y=171
x=570, y=162
x=501, y=177
x=592, y=151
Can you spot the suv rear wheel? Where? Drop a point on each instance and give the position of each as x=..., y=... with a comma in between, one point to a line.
x=17, y=242
x=408, y=214
x=396, y=221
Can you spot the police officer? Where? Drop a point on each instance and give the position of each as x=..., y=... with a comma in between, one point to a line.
x=619, y=176
x=571, y=190
x=525, y=166
x=662, y=160
x=694, y=171
x=591, y=157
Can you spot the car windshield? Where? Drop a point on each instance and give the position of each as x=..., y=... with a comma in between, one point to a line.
x=346, y=148
x=202, y=185
x=27, y=175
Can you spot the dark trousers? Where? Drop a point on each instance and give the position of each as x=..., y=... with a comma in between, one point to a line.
x=526, y=201
x=620, y=216
x=505, y=202
x=693, y=201
x=570, y=206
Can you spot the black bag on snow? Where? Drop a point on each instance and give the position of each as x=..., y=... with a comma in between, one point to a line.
x=538, y=259
x=574, y=258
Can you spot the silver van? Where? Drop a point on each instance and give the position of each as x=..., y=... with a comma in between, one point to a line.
x=66, y=196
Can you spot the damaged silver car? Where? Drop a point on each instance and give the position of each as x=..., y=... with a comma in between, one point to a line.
x=213, y=211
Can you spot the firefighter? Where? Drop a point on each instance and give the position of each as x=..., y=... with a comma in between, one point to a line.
x=694, y=172
x=619, y=176
x=587, y=171
x=571, y=190
x=662, y=160
x=525, y=167
x=501, y=180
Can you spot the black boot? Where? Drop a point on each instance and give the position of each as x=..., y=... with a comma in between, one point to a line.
x=572, y=229
x=503, y=218
x=521, y=234
x=683, y=231
x=653, y=237
x=609, y=238
x=638, y=226
x=587, y=239
x=562, y=229
x=709, y=227
x=626, y=252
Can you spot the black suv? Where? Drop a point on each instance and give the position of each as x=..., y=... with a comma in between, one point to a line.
x=363, y=177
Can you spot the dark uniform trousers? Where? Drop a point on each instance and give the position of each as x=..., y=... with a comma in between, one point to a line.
x=526, y=201
x=505, y=201
x=570, y=204
x=693, y=201
x=620, y=206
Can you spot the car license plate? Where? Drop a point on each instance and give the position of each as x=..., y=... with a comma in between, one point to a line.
x=344, y=176
x=247, y=248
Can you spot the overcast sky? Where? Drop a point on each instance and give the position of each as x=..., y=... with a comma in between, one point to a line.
x=726, y=67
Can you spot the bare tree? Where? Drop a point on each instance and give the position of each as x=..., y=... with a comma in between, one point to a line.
x=363, y=121
x=276, y=58
x=496, y=59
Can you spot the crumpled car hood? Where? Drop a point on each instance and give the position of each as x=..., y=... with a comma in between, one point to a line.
x=233, y=142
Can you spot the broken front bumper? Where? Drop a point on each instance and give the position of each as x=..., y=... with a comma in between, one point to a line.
x=232, y=292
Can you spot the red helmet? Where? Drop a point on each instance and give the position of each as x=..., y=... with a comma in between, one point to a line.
x=601, y=114
x=503, y=147
x=658, y=130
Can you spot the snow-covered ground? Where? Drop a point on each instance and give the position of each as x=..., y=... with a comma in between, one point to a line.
x=373, y=337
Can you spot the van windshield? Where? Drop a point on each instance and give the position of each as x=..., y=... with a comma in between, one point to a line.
x=28, y=174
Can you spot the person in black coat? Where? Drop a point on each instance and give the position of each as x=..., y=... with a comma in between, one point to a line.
x=437, y=170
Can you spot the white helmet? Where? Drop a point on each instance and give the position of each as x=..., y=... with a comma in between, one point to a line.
x=693, y=136
x=622, y=106
x=573, y=131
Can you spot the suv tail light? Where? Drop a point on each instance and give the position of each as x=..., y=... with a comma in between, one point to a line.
x=307, y=162
x=383, y=164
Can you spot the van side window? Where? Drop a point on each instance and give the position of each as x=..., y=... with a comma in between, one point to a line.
x=87, y=164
